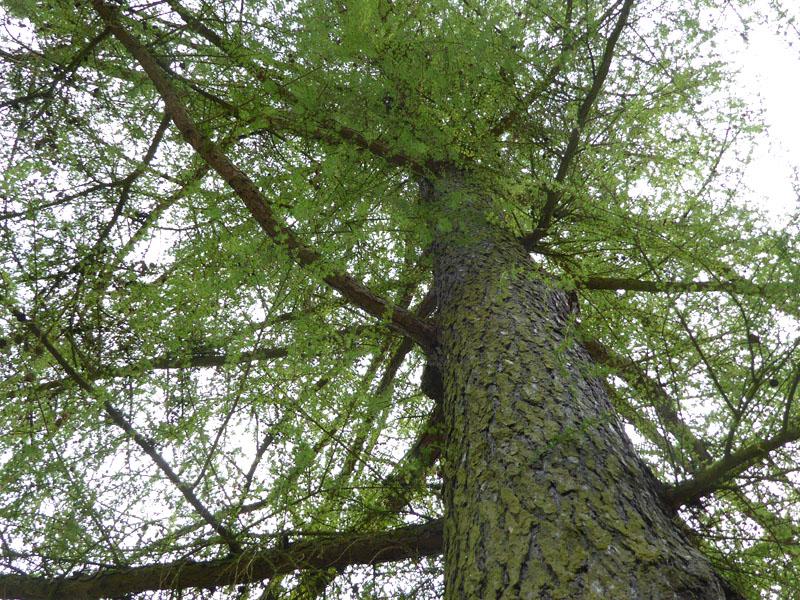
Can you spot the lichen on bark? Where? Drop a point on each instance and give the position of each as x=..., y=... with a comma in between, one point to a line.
x=544, y=494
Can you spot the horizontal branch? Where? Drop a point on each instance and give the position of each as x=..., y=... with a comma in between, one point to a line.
x=354, y=291
x=713, y=477
x=195, y=360
x=335, y=551
x=212, y=358
x=740, y=286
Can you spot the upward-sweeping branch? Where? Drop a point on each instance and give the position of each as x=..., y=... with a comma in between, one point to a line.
x=716, y=475
x=553, y=195
x=354, y=291
x=711, y=477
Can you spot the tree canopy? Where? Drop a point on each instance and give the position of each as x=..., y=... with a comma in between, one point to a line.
x=215, y=279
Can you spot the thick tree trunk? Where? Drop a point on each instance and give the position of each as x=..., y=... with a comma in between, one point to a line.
x=544, y=494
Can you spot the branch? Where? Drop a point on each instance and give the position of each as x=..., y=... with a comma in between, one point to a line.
x=425, y=308
x=398, y=486
x=410, y=471
x=196, y=360
x=329, y=131
x=196, y=24
x=714, y=476
x=63, y=73
x=568, y=44
x=127, y=185
x=740, y=286
x=336, y=551
x=665, y=408
x=554, y=193
x=664, y=405
x=357, y=293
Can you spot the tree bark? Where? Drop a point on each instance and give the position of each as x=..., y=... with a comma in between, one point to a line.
x=544, y=494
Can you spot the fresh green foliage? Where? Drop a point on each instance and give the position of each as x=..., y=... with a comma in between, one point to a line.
x=284, y=406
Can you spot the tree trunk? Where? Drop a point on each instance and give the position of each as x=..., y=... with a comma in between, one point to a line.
x=544, y=494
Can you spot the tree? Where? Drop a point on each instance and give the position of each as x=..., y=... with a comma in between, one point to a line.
x=234, y=233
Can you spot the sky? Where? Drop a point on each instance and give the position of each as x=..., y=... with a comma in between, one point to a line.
x=770, y=77
x=770, y=74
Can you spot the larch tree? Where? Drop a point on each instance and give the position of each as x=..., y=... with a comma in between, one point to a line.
x=364, y=300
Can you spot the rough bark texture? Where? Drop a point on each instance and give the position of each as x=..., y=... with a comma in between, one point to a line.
x=544, y=494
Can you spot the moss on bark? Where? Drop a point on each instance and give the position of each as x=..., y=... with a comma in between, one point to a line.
x=544, y=494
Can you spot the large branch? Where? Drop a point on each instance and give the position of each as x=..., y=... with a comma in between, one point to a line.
x=336, y=551
x=357, y=293
x=716, y=475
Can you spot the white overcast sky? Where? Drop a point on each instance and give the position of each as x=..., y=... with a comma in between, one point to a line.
x=770, y=74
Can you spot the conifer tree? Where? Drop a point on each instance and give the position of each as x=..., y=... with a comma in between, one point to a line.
x=368, y=299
